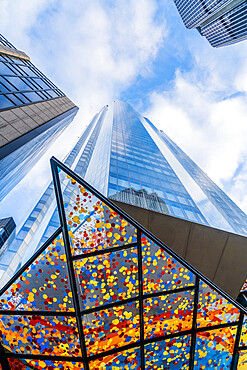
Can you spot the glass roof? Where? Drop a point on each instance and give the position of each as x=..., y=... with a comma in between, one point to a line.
x=103, y=293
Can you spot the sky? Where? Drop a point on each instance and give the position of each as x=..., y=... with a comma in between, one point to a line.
x=140, y=52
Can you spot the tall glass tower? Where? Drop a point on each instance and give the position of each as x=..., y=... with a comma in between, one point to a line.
x=126, y=158
x=33, y=113
x=222, y=22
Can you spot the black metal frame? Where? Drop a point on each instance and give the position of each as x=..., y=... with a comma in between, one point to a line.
x=140, y=344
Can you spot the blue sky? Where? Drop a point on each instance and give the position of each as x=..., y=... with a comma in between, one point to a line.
x=140, y=52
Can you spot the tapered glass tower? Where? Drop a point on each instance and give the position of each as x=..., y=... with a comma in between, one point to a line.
x=126, y=158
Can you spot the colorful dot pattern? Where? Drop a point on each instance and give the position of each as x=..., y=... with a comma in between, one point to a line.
x=92, y=225
x=107, y=278
x=108, y=329
x=168, y=354
x=16, y=364
x=168, y=314
x=213, y=309
x=214, y=349
x=243, y=337
x=44, y=285
x=161, y=271
x=126, y=360
x=107, y=289
x=40, y=335
x=242, y=361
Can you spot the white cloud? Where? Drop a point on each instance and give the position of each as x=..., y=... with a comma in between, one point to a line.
x=206, y=116
x=92, y=50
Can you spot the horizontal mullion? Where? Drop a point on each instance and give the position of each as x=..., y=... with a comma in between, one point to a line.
x=215, y=327
x=167, y=292
x=25, y=91
x=110, y=305
x=44, y=357
x=104, y=251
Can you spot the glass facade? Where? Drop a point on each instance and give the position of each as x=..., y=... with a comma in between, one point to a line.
x=195, y=12
x=128, y=159
x=103, y=293
x=33, y=113
x=22, y=83
x=222, y=22
x=229, y=28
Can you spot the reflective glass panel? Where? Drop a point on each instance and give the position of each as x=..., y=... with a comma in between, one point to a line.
x=44, y=285
x=107, y=278
x=162, y=272
x=92, y=225
x=168, y=314
x=213, y=309
x=122, y=360
x=169, y=354
x=111, y=328
x=46, y=335
x=214, y=348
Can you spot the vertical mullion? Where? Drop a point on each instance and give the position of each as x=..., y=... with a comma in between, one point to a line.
x=194, y=325
x=62, y=216
x=236, y=345
x=3, y=359
x=139, y=249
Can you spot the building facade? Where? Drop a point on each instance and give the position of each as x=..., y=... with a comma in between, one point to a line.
x=222, y=22
x=125, y=157
x=33, y=113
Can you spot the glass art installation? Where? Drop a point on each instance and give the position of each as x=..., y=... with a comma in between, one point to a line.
x=104, y=293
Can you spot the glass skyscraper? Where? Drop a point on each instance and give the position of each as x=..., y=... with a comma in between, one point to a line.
x=33, y=113
x=222, y=22
x=125, y=157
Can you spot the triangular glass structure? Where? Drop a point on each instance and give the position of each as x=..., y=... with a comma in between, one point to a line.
x=104, y=293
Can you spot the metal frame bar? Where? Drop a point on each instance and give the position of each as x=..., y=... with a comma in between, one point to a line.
x=55, y=164
x=62, y=217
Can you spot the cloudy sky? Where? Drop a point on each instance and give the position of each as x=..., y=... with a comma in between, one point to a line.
x=140, y=52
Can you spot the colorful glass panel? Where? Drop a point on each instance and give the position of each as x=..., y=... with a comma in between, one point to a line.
x=214, y=349
x=107, y=278
x=44, y=285
x=92, y=225
x=40, y=335
x=168, y=314
x=162, y=272
x=111, y=328
x=213, y=309
x=119, y=361
x=16, y=364
x=242, y=360
x=168, y=354
x=243, y=338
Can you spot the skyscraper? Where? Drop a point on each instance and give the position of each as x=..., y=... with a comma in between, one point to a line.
x=126, y=158
x=103, y=293
x=221, y=22
x=33, y=113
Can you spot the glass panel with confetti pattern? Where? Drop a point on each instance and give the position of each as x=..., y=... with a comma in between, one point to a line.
x=107, y=278
x=214, y=348
x=44, y=285
x=92, y=225
x=162, y=272
x=168, y=354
